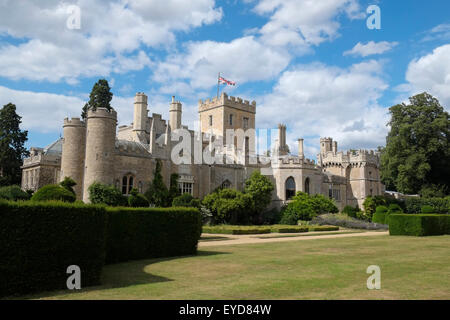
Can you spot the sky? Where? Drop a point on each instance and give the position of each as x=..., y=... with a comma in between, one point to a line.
x=315, y=66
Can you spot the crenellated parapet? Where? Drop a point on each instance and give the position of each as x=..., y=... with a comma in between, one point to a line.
x=228, y=101
x=354, y=157
x=74, y=122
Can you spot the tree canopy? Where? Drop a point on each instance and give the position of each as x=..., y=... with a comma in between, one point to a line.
x=417, y=153
x=12, y=149
x=100, y=97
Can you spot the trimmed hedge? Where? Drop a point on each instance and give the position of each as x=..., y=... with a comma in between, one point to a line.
x=144, y=233
x=419, y=224
x=39, y=240
x=324, y=228
x=289, y=229
x=241, y=230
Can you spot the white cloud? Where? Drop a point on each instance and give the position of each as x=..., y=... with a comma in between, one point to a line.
x=111, y=37
x=304, y=22
x=371, y=48
x=45, y=112
x=430, y=73
x=440, y=32
x=317, y=100
x=242, y=60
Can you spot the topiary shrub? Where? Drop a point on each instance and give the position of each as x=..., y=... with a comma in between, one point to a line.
x=53, y=192
x=108, y=195
x=13, y=193
x=380, y=215
x=427, y=209
x=137, y=200
x=68, y=184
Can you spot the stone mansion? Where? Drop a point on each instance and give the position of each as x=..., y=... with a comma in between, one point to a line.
x=95, y=150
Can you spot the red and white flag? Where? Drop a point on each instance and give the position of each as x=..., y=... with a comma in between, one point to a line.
x=227, y=82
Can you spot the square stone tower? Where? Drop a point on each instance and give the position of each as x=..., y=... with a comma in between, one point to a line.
x=219, y=114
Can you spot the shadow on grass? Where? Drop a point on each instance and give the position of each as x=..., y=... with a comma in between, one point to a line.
x=119, y=275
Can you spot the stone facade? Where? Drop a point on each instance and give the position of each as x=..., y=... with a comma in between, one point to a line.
x=96, y=151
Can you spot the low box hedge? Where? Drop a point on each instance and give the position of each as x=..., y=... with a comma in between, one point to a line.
x=289, y=229
x=144, y=233
x=39, y=240
x=419, y=224
x=236, y=230
x=323, y=228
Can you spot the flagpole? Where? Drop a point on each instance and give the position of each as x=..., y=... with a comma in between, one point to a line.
x=218, y=85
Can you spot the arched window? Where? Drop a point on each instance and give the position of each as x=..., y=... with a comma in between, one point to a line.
x=307, y=185
x=226, y=184
x=290, y=188
x=127, y=184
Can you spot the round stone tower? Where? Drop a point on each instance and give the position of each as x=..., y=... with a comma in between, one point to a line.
x=73, y=153
x=100, y=147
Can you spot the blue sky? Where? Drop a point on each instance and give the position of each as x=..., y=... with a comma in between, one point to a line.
x=313, y=65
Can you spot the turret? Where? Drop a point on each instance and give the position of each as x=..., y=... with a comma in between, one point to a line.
x=140, y=112
x=73, y=153
x=326, y=145
x=175, y=111
x=100, y=148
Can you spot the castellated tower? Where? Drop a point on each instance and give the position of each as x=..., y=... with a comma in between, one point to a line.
x=140, y=112
x=100, y=148
x=326, y=145
x=175, y=111
x=73, y=153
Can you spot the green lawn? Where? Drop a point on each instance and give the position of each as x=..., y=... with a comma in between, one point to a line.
x=411, y=268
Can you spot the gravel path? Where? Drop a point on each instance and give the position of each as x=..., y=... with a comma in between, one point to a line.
x=251, y=239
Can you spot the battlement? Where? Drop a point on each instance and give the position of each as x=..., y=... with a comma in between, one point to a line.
x=74, y=122
x=351, y=157
x=224, y=100
x=102, y=113
x=140, y=97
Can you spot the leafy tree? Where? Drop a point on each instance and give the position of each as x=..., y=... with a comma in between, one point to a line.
x=305, y=207
x=186, y=200
x=157, y=193
x=68, y=184
x=229, y=206
x=260, y=188
x=100, y=97
x=173, y=188
x=12, y=150
x=417, y=151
